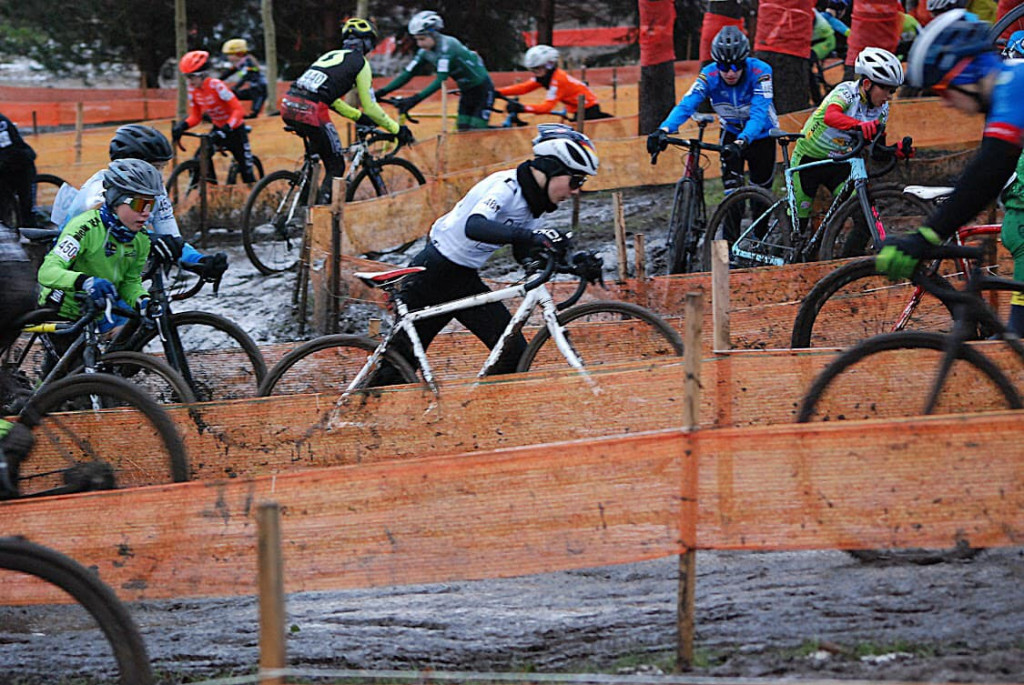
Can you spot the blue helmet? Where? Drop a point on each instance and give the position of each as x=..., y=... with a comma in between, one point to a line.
x=1015, y=46
x=946, y=41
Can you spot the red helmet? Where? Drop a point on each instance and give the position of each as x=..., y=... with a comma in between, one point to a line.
x=195, y=61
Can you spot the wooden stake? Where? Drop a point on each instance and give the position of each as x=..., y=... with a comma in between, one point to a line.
x=620, y=233
x=338, y=186
x=720, y=294
x=79, y=125
x=271, y=584
x=639, y=256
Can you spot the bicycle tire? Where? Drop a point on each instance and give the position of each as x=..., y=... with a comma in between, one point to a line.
x=1014, y=19
x=854, y=302
x=183, y=191
x=745, y=207
x=47, y=187
x=68, y=446
x=127, y=647
x=600, y=328
x=272, y=240
x=234, y=171
x=826, y=400
x=395, y=173
x=847, y=234
x=224, y=362
x=322, y=365
x=161, y=382
x=683, y=241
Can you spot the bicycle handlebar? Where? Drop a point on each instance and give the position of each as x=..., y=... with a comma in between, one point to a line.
x=394, y=103
x=688, y=143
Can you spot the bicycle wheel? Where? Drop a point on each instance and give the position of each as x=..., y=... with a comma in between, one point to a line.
x=755, y=224
x=327, y=365
x=605, y=332
x=860, y=383
x=179, y=283
x=183, y=191
x=385, y=177
x=223, y=361
x=47, y=186
x=1012, y=21
x=106, y=642
x=151, y=375
x=273, y=222
x=234, y=171
x=854, y=302
x=848, y=234
x=81, y=443
x=685, y=228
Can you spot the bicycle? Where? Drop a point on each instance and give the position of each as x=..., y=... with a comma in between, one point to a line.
x=274, y=217
x=97, y=610
x=512, y=119
x=38, y=360
x=584, y=336
x=855, y=302
x=1012, y=21
x=686, y=225
x=186, y=186
x=760, y=232
x=216, y=358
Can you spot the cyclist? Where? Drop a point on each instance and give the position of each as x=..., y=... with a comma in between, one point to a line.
x=740, y=90
x=244, y=77
x=505, y=208
x=211, y=97
x=1014, y=46
x=859, y=105
x=17, y=297
x=447, y=57
x=322, y=87
x=954, y=55
x=561, y=88
x=102, y=252
x=826, y=28
x=135, y=141
x=18, y=169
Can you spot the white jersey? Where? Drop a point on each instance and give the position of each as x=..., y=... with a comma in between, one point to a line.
x=90, y=196
x=498, y=198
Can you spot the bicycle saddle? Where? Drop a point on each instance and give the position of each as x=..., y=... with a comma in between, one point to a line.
x=40, y=235
x=382, y=279
x=928, y=192
x=783, y=136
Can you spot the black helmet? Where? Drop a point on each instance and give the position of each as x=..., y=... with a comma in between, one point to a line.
x=730, y=46
x=131, y=177
x=357, y=33
x=136, y=141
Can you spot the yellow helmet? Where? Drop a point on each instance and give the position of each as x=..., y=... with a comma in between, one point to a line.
x=235, y=46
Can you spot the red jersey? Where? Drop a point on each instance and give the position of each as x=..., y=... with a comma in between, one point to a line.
x=216, y=100
x=563, y=88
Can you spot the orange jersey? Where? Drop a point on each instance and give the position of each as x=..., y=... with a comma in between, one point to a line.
x=563, y=89
x=215, y=99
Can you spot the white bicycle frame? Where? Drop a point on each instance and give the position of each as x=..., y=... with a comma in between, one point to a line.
x=406, y=320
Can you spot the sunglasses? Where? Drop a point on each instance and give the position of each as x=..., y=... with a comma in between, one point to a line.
x=729, y=66
x=140, y=204
x=576, y=181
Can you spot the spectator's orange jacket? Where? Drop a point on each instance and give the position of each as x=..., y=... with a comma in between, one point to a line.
x=216, y=100
x=564, y=88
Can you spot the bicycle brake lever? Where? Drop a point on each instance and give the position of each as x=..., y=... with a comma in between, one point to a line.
x=216, y=284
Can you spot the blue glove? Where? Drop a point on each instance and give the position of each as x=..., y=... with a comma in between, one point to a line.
x=99, y=290
x=899, y=256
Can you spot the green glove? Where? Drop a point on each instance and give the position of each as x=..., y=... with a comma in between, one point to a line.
x=899, y=256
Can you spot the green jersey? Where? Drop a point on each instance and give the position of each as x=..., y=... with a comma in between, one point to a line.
x=86, y=248
x=820, y=139
x=447, y=58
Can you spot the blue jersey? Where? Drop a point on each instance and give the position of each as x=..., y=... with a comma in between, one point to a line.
x=745, y=109
x=1005, y=119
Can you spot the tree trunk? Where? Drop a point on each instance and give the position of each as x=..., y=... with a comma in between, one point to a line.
x=546, y=23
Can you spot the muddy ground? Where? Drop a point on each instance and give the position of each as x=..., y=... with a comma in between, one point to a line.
x=782, y=615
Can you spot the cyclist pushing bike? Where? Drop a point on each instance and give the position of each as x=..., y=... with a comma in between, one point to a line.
x=135, y=141
x=955, y=56
x=562, y=89
x=210, y=96
x=740, y=90
x=860, y=105
x=505, y=208
x=447, y=57
x=323, y=86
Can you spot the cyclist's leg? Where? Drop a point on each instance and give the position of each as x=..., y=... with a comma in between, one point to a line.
x=760, y=158
x=595, y=112
x=238, y=143
x=20, y=173
x=326, y=142
x=732, y=170
x=1013, y=238
x=475, y=106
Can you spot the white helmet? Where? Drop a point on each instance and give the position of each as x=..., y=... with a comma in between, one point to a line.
x=567, y=145
x=940, y=6
x=881, y=66
x=540, y=56
x=425, y=22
